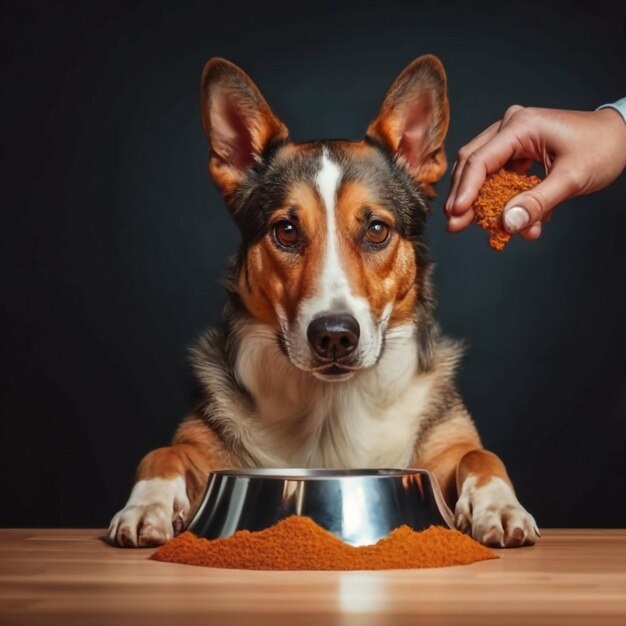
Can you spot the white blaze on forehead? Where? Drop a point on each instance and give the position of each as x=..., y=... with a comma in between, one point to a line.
x=327, y=181
x=332, y=280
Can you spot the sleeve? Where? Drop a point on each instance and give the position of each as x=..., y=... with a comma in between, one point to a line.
x=619, y=106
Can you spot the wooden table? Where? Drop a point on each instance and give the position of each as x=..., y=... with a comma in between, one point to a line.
x=70, y=577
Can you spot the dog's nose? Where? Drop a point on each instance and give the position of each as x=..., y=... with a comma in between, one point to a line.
x=334, y=336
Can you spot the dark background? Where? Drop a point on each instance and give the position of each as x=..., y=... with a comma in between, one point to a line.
x=114, y=239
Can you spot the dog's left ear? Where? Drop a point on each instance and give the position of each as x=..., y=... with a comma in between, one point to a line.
x=413, y=120
x=237, y=120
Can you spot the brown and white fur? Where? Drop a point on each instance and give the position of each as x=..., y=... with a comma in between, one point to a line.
x=328, y=354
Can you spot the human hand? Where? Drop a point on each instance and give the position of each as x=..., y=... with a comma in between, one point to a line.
x=582, y=152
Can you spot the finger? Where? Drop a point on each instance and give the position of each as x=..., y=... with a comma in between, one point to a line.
x=533, y=232
x=464, y=152
x=510, y=112
x=472, y=146
x=457, y=223
x=468, y=149
x=532, y=205
x=453, y=180
x=489, y=158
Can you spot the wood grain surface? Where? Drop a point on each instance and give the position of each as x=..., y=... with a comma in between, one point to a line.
x=71, y=577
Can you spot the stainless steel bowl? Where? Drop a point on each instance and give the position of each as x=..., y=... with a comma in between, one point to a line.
x=360, y=506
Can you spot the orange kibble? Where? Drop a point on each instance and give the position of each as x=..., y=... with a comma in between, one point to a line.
x=493, y=196
x=298, y=543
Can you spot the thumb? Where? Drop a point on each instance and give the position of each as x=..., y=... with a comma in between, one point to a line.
x=532, y=205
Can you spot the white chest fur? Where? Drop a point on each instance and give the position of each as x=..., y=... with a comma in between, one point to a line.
x=370, y=420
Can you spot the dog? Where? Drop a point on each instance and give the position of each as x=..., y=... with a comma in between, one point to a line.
x=328, y=354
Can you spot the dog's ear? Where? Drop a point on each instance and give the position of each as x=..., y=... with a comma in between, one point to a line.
x=237, y=120
x=413, y=120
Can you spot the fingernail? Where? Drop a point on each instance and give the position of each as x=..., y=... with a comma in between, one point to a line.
x=460, y=204
x=516, y=219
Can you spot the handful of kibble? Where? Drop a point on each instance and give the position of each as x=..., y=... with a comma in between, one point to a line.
x=493, y=196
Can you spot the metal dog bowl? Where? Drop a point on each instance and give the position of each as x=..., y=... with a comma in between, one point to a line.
x=359, y=506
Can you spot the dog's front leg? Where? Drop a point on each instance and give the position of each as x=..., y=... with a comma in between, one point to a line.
x=486, y=506
x=169, y=484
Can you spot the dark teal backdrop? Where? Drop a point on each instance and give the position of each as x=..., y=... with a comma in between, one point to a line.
x=114, y=239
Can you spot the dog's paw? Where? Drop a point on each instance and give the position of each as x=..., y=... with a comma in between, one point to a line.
x=492, y=514
x=154, y=513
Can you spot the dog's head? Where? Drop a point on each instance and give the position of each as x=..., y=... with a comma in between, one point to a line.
x=333, y=256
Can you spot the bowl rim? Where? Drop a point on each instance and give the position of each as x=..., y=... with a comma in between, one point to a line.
x=319, y=473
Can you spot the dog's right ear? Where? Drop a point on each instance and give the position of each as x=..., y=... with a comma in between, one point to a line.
x=237, y=120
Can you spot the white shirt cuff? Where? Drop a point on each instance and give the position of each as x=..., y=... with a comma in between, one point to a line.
x=619, y=106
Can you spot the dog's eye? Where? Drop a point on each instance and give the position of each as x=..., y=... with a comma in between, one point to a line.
x=377, y=233
x=286, y=233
